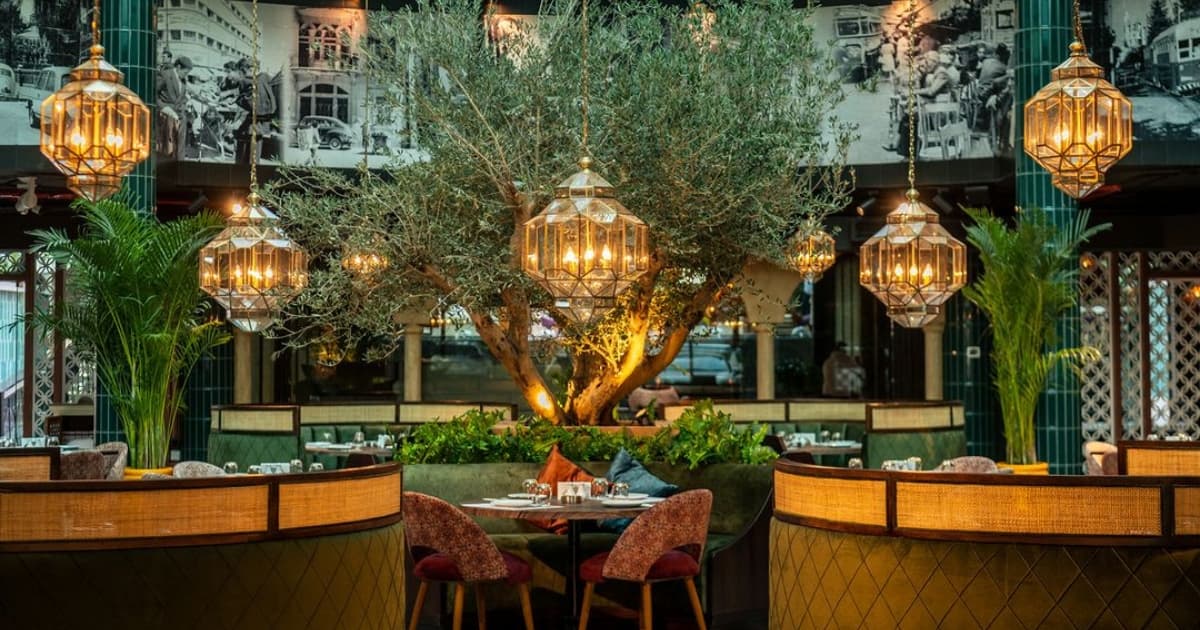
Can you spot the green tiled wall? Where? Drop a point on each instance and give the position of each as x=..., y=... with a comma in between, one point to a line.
x=970, y=379
x=211, y=384
x=1043, y=35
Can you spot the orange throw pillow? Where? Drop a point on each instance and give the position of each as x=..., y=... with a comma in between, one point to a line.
x=558, y=468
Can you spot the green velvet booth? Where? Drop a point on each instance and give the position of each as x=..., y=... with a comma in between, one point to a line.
x=255, y=434
x=933, y=431
x=733, y=578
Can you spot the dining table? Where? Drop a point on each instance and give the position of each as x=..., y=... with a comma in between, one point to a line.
x=820, y=448
x=345, y=450
x=575, y=515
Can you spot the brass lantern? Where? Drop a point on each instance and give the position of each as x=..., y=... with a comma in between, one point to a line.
x=585, y=247
x=252, y=268
x=812, y=255
x=95, y=130
x=1079, y=124
x=913, y=265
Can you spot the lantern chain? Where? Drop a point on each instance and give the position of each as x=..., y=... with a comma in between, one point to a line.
x=254, y=101
x=583, y=76
x=912, y=94
x=1078, y=21
x=96, y=23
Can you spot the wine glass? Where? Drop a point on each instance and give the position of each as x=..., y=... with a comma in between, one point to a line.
x=529, y=487
x=296, y=466
x=316, y=467
x=359, y=439
x=600, y=487
x=327, y=436
x=620, y=489
x=254, y=469
x=855, y=463
x=542, y=493
x=230, y=468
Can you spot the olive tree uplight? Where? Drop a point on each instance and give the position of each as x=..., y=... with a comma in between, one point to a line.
x=1079, y=124
x=812, y=255
x=913, y=265
x=585, y=247
x=95, y=130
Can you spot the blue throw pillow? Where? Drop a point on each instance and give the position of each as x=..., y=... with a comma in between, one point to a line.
x=629, y=470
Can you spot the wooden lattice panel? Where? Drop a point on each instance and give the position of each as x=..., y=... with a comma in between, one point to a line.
x=1131, y=347
x=1095, y=323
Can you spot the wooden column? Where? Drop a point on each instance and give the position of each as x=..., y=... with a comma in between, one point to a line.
x=243, y=367
x=933, y=358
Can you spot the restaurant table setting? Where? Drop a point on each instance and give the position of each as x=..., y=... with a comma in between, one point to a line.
x=383, y=446
x=828, y=444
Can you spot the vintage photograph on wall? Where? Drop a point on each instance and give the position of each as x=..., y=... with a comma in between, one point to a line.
x=40, y=41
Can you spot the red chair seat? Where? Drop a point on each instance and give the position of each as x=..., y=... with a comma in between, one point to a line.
x=438, y=567
x=673, y=565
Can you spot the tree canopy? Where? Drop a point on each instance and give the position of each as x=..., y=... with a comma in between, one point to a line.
x=719, y=133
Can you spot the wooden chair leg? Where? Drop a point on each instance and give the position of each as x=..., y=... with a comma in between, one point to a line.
x=460, y=596
x=586, y=611
x=647, y=608
x=480, y=607
x=690, y=583
x=417, y=605
x=526, y=606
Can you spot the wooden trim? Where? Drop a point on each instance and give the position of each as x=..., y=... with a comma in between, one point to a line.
x=270, y=529
x=1114, y=346
x=1144, y=330
x=1166, y=487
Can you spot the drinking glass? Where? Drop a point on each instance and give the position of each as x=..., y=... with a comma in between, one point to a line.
x=529, y=486
x=254, y=469
x=327, y=436
x=855, y=463
x=52, y=440
x=542, y=493
x=359, y=439
x=230, y=468
x=620, y=489
x=836, y=436
x=296, y=466
x=824, y=436
x=599, y=487
x=316, y=467
x=913, y=463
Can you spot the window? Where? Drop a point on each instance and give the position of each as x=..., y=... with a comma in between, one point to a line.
x=323, y=45
x=1004, y=19
x=324, y=99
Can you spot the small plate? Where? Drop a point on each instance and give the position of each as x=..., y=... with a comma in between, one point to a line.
x=623, y=503
x=512, y=503
x=320, y=444
x=635, y=496
x=340, y=447
x=521, y=495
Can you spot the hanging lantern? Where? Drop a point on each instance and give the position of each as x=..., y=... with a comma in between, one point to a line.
x=252, y=268
x=94, y=129
x=585, y=247
x=812, y=255
x=1079, y=124
x=913, y=265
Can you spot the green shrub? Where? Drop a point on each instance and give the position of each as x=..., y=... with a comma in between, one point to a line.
x=700, y=437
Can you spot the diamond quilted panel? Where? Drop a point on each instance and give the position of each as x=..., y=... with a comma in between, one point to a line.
x=352, y=582
x=975, y=585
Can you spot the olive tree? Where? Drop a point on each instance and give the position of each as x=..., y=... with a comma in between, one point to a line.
x=717, y=128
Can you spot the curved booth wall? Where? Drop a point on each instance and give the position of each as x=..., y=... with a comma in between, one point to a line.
x=318, y=550
x=865, y=548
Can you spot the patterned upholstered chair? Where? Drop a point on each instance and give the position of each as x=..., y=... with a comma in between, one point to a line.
x=973, y=464
x=116, y=454
x=664, y=543
x=447, y=546
x=185, y=470
x=1101, y=458
x=83, y=465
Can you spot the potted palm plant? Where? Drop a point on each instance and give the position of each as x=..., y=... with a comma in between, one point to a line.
x=1029, y=280
x=134, y=305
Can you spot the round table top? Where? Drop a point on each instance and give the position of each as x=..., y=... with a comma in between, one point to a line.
x=586, y=511
x=373, y=451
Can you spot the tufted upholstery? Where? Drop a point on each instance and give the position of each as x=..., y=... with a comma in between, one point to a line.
x=116, y=454
x=186, y=470
x=83, y=465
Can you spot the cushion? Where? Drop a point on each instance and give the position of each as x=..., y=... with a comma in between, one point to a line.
x=438, y=567
x=629, y=470
x=558, y=468
x=672, y=565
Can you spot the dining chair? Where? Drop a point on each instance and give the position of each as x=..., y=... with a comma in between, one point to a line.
x=184, y=470
x=83, y=465
x=664, y=543
x=447, y=546
x=115, y=454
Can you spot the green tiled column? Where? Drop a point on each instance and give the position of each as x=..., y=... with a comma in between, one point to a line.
x=968, y=376
x=211, y=384
x=1043, y=35
x=127, y=34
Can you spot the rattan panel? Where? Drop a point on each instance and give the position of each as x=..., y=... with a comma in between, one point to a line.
x=25, y=468
x=432, y=412
x=802, y=411
x=861, y=501
x=1187, y=511
x=132, y=514
x=347, y=414
x=824, y=580
x=1049, y=510
x=325, y=502
x=254, y=419
x=898, y=418
x=1161, y=461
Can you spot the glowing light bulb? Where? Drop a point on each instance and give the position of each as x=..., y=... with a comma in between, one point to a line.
x=78, y=141
x=589, y=255
x=114, y=139
x=569, y=258
x=898, y=272
x=1095, y=137
x=606, y=254
x=927, y=274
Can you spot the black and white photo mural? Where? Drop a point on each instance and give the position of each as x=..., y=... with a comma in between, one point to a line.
x=316, y=103
x=962, y=82
x=40, y=41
